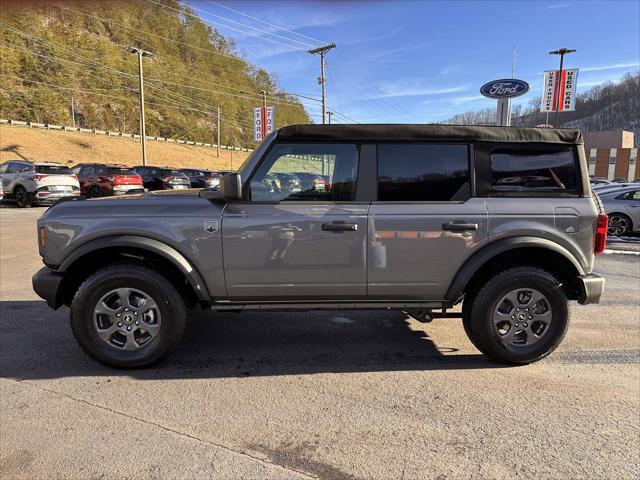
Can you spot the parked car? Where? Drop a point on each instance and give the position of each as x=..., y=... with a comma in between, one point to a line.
x=40, y=183
x=417, y=219
x=163, y=178
x=599, y=181
x=202, y=178
x=623, y=207
x=102, y=179
x=289, y=182
x=612, y=187
x=311, y=182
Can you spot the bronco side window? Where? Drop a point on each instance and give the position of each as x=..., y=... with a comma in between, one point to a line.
x=524, y=170
x=307, y=171
x=422, y=172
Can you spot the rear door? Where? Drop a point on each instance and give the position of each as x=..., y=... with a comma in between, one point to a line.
x=284, y=245
x=425, y=222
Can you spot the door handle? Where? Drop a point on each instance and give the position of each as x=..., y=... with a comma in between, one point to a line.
x=339, y=227
x=459, y=227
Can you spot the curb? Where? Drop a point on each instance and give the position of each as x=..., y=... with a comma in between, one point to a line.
x=620, y=252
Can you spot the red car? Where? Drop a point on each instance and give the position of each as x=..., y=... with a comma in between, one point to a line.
x=100, y=179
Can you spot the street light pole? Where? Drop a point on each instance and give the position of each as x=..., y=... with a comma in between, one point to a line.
x=143, y=134
x=562, y=52
x=329, y=116
x=322, y=51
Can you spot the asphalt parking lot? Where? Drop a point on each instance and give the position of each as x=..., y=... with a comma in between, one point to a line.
x=330, y=395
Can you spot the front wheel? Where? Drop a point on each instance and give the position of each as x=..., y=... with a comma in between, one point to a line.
x=519, y=316
x=127, y=316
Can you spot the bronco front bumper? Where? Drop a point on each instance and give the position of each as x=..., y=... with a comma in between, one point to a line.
x=46, y=283
x=591, y=288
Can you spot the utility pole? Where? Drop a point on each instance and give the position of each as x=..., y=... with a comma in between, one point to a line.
x=322, y=51
x=73, y=114
x=143, y=134
x=329, y=116
x=218, y=135
x=562, y=52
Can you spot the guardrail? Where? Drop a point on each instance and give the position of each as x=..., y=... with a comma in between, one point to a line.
x=109, y=133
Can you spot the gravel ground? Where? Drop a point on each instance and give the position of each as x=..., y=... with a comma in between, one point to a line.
x=330, y=395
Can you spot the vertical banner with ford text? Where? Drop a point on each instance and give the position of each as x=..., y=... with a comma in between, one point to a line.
x=262, y=122
x=565, y=81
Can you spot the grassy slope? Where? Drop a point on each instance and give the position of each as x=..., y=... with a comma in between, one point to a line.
x=71, y=148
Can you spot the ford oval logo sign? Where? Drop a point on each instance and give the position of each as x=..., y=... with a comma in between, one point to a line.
x=505, y=88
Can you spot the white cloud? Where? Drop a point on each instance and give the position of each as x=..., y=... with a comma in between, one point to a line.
x=555, y=6
x=411, y=89
x=613, y=66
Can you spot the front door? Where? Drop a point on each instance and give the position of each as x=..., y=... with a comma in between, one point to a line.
x=298, y=240
x=425, y=223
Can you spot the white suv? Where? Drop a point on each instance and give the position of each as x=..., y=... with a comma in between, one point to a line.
x=37, y=183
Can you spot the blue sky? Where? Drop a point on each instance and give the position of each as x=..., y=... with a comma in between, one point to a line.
x=423, y=61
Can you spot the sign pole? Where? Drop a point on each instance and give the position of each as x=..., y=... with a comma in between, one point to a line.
x=562, y=52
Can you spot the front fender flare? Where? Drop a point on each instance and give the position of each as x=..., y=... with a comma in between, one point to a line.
x=143, y=243
x=473, y=264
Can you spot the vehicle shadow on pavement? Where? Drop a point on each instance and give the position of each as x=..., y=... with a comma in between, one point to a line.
x=37, y=343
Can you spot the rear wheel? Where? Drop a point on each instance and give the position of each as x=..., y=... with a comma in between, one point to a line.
x=619, y=224
x=127, y=316
x=519, y=316
x=95, y=192
x=22, y=197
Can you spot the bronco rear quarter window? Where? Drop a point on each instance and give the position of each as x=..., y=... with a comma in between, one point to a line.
x=533, y=170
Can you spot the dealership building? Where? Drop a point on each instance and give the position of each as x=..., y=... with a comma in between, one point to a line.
x=612, y=155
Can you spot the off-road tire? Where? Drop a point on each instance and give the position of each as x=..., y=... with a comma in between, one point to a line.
x=169, y=301
x=478, y=315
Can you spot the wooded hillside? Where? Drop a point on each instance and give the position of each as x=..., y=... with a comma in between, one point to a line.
x=52, y=52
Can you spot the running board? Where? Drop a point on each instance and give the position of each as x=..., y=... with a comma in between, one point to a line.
x=383, y=305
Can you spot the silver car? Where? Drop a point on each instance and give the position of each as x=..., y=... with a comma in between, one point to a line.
x=623, y=207
x=37, y=183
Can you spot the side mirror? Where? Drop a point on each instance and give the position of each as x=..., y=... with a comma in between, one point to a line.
x=231, y=187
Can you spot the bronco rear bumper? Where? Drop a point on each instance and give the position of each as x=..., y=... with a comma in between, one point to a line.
x=46, y=283
x=591, y=288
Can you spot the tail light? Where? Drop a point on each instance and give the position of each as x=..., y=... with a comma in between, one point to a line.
x=75, y=177
x=600, y=239
x=167, y=179
x=38, y=176
x=111, y=178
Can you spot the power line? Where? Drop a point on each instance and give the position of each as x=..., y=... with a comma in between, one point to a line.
x=306, y=44
x=153, y=34
x=321, y=42
x=182, y=12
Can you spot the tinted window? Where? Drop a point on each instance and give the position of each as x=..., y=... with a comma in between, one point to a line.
x=152, y=171
x=307, y=172
x=121, y=171
x=173, y=173
x=53, y=170
x=88, y=170
x=18, y=167
x=423, y=172
x=515, y=170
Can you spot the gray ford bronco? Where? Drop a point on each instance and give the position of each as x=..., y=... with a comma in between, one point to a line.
x=418, y=218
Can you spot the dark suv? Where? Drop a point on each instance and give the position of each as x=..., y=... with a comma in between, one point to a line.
x=419, y=218
x=163, y=178
x=202, y=178
x=102, y=179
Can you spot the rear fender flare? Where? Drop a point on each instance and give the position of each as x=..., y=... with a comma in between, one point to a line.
x=490, y=251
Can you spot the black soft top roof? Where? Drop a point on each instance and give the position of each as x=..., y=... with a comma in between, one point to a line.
x=406, y=132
